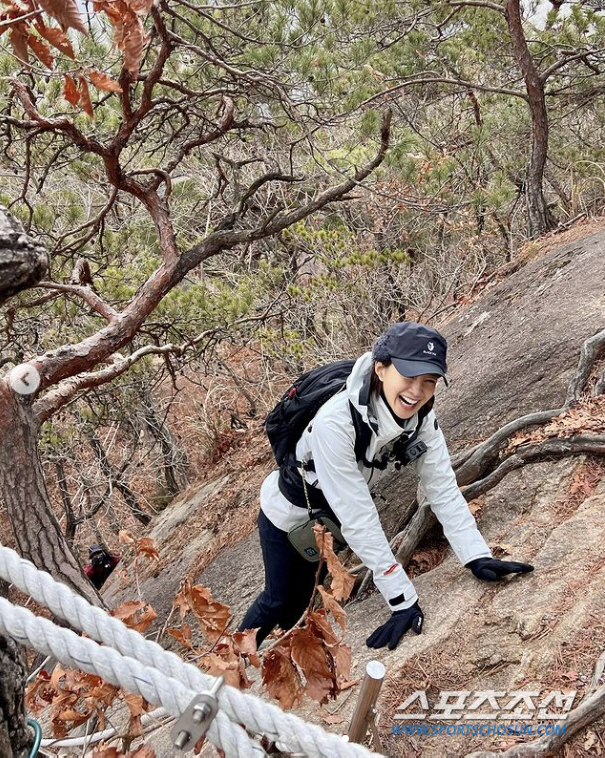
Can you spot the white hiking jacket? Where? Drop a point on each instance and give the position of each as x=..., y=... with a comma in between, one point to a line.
x=329, y=441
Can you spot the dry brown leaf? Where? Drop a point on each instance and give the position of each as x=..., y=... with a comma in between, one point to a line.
x=342, y=581
x=310, y=656
x=342, y=663
x=213, y=616
x=126, y=537
x=333, y=607
x=281, y=678
x=135, y=614
x=317, y=622
x=41, y=50
x=142, y=752
x=18, y=38
x=40, y=693
x=103, y=751
x=182, y=635
x=103, y=81
x=56, y=37
x=65, y=12
x=133, y=41
x=244, y=643
x=137, y=706
x=145, y=546
x=85, y=101
x=140, y=6
x=332, y=718
x=228, y=666
x=181, y=599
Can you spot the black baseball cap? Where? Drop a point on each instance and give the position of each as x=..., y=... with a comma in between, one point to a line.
x=413, y=349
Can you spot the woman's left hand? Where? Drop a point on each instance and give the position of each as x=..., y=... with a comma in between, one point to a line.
x=491, y=569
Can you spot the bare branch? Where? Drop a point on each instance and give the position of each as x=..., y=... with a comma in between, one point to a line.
x=65, y=392
x=60, y=124
x=86, y=294
x=270, y=176
x=476, y=4
x=442, y=80
x=583, y=55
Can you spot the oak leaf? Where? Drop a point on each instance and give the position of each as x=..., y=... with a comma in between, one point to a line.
x=18, y=39
x=310, y=656
x=41, y=50
x=342, y=581
x=56, y=37
x=146, y=546
x=86, y=104
x=135, y=614
x=281, y=678
x=65, y=12
x=103, y=81
x=333, y=607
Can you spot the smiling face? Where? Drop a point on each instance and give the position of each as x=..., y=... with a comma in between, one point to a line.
x=405, y=395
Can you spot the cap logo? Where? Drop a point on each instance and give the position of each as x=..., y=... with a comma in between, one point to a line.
x=430, y=346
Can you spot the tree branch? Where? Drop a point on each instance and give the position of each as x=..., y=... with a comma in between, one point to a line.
x=442, y=80
x=565, y=60
x=476, y=4
x=86, y=294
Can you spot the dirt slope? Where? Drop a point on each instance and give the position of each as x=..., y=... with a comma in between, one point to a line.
x=512, y=351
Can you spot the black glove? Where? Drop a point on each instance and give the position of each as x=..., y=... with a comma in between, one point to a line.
x=394, y=629
x=491, y=569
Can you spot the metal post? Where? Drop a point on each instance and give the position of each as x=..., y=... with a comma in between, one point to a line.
x=364, y=713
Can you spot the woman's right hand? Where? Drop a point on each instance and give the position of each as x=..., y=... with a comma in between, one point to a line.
x=392, y=631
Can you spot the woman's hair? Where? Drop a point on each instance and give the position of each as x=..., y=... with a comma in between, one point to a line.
x=380, y=352
x=375, y=383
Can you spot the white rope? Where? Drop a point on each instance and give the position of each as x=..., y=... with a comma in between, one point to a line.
x=256, y=715
x=85, y=654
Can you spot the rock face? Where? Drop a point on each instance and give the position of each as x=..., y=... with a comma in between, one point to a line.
x=512, y=351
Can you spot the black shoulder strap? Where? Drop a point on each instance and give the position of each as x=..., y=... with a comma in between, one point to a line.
x=363, y=435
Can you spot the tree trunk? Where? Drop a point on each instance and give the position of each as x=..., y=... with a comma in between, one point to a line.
x=22, y=261
x=539, y=219
x=23, y=489
x=15, y=738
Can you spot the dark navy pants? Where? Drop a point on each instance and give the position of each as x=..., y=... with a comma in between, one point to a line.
x=289, y=582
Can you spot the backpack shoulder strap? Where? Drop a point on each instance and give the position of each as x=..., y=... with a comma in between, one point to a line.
x=363, y=435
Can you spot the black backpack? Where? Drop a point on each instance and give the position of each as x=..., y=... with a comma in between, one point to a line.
x=297, y=408
x=286, y=423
